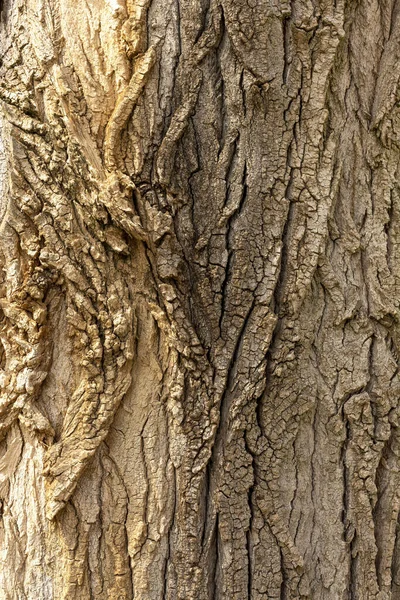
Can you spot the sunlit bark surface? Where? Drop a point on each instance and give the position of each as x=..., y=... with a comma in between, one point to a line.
x=199, y=299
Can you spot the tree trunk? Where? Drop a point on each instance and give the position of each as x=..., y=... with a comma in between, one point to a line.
x=199, y=299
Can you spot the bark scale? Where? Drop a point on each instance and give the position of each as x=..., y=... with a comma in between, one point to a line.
x=199, y=325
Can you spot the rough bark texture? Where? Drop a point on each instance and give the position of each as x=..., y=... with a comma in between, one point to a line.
x=199, y=299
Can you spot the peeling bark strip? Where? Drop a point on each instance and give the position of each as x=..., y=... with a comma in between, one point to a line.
x=199, y=300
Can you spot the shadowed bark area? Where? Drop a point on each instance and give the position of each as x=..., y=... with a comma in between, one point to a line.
x=199, y=300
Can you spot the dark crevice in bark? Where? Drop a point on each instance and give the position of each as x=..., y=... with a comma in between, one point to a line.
x=216, y=587
x=212, y=556
x=313, y=470
x=353, y=572
x=226, y=397
x=208, y=492
x=178, y=10
x=345, y=500
x=350, y=529
x=283, y=595
x=394, y=567
x=286, y=234
x=221, y=93
x=100, y=521
x=169, y=554
x=388, y=232
x=250, y=501
x=203, y=26
x=286, y=33
x=230, y=249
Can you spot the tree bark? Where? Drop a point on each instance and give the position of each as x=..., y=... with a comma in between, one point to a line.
x=199, y=299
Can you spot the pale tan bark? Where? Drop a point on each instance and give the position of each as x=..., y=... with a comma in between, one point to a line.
x=199, y=300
